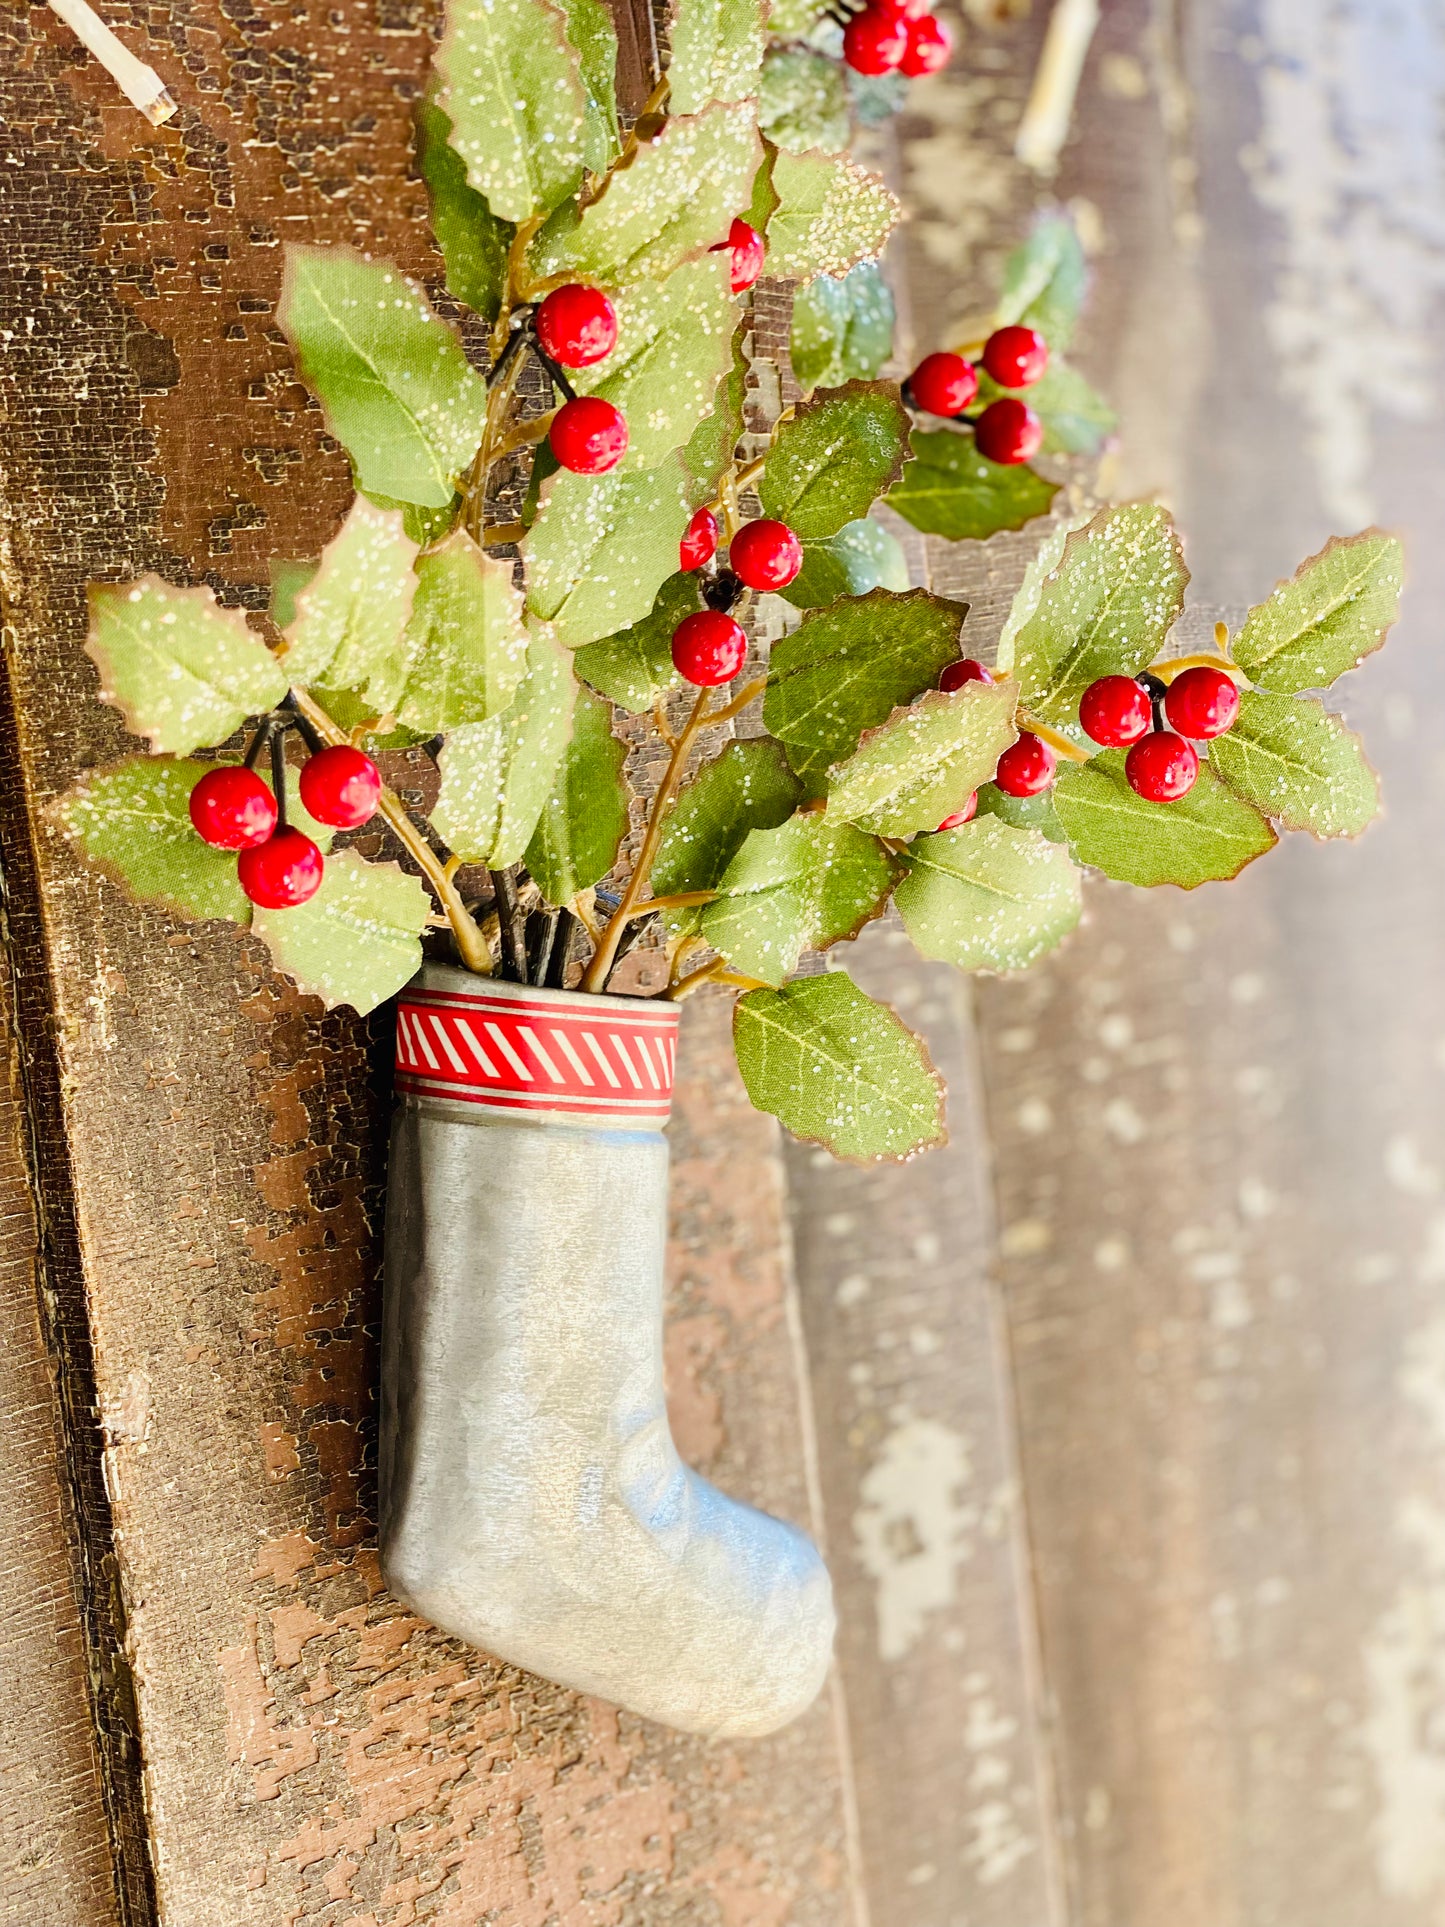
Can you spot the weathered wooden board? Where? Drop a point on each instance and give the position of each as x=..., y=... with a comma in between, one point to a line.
x=312, y=1754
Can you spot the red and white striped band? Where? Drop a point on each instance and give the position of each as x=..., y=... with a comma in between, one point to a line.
x=513, y=1048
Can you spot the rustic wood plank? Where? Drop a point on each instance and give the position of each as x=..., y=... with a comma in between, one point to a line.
x=312, y=1753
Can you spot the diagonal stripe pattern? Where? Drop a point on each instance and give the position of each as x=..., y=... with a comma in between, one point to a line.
x=516, y=1049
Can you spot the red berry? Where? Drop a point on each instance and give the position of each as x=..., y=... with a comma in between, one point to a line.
x=943, y=384
x=1201, y=703
x=1161, y=767
x=589, y=435
x=231, y=808
x=960, y=817
x=966, y=669
x=341, y=787
x=1026, y=767
x=1015, y=357
x=282, y=872
x=747, y=247
x=875, y=41
x=929, y=46
x=765, y=555
x=1008, y=431
x=1115, y=711
x=708, y=648
x=577, y=325
x=699, y=541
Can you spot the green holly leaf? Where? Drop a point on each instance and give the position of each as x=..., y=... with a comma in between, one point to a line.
x=748, y=787
x=716, y=436
x=358, y=939
x=830, y=216
x=634, y=667
x=511, y=88
x=1105, y=610
x=1046, y=558
x=838, y=1069
x=717, y=46
x=1331, y=614
x=584, y=819
x=132, y=822
x=764, y=203
x=181, y=670
x=349, y=626
x=846, y=668
x=497, y=775
x=1044, y=282
x=842, y=328
x=863, y=555
x=1298, y=764
x=466, y=640
x=836, y=455
x=949, y=489
x=676, y=200
x=801, y=886
x=1077, y=420
x=875, y=97
x=1208, y=835
x=392, y=380
x=473, y=241
x=988, y=897
x=288, y=579
x=674, y=346
x=925, y=761
x=803, y=101
x=602, y=546
x=1023, y=812
x=791, y=19
x=591, y=32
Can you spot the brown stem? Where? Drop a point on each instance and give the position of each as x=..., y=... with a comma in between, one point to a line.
x=472, y=945
x=715, y=972
x=681, y=900
x=1052, y=737
x=606, y=953
x=1176, y=665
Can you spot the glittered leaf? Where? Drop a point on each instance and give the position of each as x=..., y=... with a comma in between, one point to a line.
x=802, y=886
x=1044, y=282
x=713, y=442
x=288, y=579
x=925, y=762
x=1206, y=836
x=634, y=667
x=473, y=240
x=863, y=555
x=748, y=787
x=949, y=489
x=677, y=198
x=848, y=667
x=674, y=345
x=392, y=379
x=358, y=939
x=830, y=216
x=1046, y=558
x=1300, y=765
x=842, y=328
x=1023, y=812
x=803, y=101
x=591, y=32
x=602, y=546
x=1105, y=610
x=181, y=670
x=1331, y=614
x=585, y=817
x=988, y=897
x=132, y=822
x=791, y=19
x=466, y=641
x=511, y=88
x=838, y=1069
x=717, y=46
x=832, y=460
x=349, y=626
x=497, y=775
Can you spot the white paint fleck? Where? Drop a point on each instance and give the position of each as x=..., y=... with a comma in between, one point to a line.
x=1407, y=1170
x=1123, y=1122
x=914, y=1528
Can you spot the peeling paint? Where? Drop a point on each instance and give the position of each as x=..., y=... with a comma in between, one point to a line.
x=914, y=1529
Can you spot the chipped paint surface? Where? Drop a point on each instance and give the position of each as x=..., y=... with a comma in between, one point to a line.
x=1349, y=158
x=914, y=1527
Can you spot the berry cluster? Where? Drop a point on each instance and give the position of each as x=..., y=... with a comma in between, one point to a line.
x=1159, y=725
x=708, y=648
x=231, y=808
x=896, y=36
x=1007, y=430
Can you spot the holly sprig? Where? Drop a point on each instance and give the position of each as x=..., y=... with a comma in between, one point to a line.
x=568, y=523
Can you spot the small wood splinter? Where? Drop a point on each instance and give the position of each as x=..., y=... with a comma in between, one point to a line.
x=141, y=85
